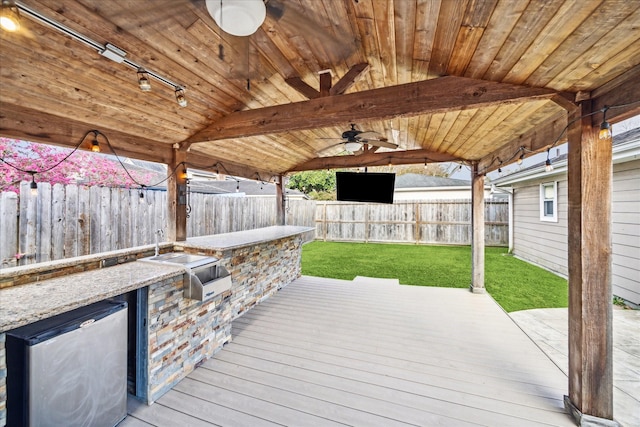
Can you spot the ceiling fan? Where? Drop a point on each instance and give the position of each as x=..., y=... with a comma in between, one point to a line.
x=354, y=141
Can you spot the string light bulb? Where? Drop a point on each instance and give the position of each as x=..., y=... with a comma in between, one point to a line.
x=9, y=16
x=180, y=98
x=605, y=126
x=33, y=185
x=143, y=80
x=520, y=159
x=183, y=174
x=237, y=186
x=95, y=145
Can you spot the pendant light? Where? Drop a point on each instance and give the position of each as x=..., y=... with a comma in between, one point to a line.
x=237, y=17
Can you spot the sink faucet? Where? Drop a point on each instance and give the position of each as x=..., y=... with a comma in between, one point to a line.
x=158, y=233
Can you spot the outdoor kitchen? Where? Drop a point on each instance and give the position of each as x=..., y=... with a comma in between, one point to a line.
x=181, y=302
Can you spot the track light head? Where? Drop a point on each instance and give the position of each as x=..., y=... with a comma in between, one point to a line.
x=143, y=80
x=180, y=98
x=9, y=16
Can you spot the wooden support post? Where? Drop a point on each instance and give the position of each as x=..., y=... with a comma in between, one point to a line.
x=177, y=198
x=280, y=192
x=477, y=235
x=589, y=248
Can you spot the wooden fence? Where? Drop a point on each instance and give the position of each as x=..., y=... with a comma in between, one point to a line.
x=67, y=221
x=445, y=222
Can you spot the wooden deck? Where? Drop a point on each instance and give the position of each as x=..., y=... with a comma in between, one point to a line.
x=329, y=352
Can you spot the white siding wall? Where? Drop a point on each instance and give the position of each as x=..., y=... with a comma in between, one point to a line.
x=545, y=243
x=625, y=230
x=541, y=242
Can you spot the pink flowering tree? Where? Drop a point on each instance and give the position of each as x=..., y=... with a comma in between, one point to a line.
x=81, y=167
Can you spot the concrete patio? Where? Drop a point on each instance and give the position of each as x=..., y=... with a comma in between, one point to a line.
x=369, y=352
x=548, y=329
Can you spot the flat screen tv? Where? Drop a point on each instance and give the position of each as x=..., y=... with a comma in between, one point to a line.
x=370, y=187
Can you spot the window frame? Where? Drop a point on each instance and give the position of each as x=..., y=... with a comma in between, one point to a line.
x=543, y=200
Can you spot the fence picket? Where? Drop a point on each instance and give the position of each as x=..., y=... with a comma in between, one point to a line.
x=8, y=233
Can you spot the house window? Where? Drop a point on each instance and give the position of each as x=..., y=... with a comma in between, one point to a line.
x=549, y=201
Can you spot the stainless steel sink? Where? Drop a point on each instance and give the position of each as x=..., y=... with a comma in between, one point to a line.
x=182, y=258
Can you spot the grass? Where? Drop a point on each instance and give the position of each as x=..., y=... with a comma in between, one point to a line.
x=514, y=284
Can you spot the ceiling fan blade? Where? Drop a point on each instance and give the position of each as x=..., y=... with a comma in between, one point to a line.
x=328, y=149
x=379, y=143
x=371, y=135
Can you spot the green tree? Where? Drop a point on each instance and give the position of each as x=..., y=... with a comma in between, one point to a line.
x=316, y=184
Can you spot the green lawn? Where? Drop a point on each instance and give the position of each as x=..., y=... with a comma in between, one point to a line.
x=514, y=284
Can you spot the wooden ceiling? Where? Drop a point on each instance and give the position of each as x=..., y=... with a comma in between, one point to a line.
x=471, y=80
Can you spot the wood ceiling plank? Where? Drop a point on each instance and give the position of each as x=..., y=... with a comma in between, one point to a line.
x=367, y=30
x=301, y=86
x=569, y=17
x=438, y=95
x=609, y=14
x=404, y=23
x=473, y=25
x=614, y=66
x=484, y=131
x=386, y=37
x=532, y=21
x=479, y=119
x=432, y=130
x=449, y=20
x=446, y=125
x=605, y=57
x=464, y=49
x=426, y=22
x=502, y=22
x=459, y=125
x=373, y=159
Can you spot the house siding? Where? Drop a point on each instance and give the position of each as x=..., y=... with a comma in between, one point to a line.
x=540, y=242
x=545, y=243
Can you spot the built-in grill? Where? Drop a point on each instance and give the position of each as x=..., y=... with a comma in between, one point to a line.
x=207, y=278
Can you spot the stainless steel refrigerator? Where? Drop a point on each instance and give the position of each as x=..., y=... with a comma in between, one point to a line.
x=69, y=370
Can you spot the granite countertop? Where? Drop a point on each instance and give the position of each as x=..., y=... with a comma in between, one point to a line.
x=240, y=239
x=24, y=304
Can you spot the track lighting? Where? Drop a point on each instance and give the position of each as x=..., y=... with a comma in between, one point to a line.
x=9, y=16
x=605, y=126
x=180, y=98
x=143, y=80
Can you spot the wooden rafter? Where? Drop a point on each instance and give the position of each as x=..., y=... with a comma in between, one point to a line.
x=430, y=96
x=348, y=80
x=371, y=158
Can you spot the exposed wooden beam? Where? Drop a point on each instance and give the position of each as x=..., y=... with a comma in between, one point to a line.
x=624, y=90
x=535, y=140
x=430, y=96
x=325, y=83
x=301, y=86
x=203, y=162
x=353, y=75
x=37, y=126
x=370, y=158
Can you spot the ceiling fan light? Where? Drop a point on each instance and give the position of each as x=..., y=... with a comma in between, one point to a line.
x=237, y=17
x=352, y=146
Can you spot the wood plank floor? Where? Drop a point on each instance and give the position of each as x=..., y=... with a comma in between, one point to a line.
x=326, y=352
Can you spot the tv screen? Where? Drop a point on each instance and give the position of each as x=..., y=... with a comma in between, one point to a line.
x=365, y=187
